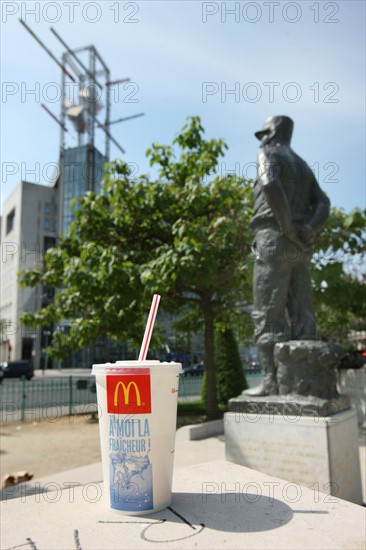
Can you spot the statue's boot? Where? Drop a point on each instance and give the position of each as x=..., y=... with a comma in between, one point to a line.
x=268, y=385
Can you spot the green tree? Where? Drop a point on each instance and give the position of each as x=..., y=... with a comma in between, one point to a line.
x=230, y=376
x=186, y=236
x=205, y=265
x=339, y=275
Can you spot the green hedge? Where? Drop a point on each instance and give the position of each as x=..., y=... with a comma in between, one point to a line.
x=230, y=376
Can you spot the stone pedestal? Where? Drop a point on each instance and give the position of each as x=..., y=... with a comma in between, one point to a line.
x=320, y=453
x=352, y=383
x=291, y=404
x=307, y=367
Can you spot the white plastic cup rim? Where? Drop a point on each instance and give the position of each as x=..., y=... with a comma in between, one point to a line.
x=119, y=366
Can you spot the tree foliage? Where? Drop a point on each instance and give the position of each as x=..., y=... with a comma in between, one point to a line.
x=339, y=277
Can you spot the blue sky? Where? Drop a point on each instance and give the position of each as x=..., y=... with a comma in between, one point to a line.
x=302, y=59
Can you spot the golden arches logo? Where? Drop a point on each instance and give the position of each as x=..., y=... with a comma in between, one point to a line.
x=126, y=393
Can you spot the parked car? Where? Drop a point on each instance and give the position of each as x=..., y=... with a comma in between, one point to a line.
x=194, y=370
x=253, y=367
x=16, y=369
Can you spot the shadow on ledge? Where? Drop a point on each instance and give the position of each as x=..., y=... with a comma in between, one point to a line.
x=192, y=513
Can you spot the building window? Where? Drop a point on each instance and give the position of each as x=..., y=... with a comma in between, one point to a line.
x=10, y=221
x=47, y=208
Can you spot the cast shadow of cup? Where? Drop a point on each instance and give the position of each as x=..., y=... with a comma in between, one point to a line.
x=232, y=512
x=190, y=514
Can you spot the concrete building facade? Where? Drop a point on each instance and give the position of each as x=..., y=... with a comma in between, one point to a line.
x=33, y=217
x=28, y=229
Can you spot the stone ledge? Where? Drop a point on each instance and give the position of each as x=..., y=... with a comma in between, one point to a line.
x=286, y=405
x=215, y=505
x=206, y=429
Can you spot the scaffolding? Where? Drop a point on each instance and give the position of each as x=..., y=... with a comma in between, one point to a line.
x=85, y=94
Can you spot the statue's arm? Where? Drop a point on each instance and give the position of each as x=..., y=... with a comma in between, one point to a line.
x=321, y=208
x=269, y=172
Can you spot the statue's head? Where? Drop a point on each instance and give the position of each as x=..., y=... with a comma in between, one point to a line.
x=276, y=129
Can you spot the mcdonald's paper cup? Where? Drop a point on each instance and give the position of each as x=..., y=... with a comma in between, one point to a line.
x=137, y=402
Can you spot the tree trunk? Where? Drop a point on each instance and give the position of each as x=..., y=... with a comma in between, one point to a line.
x=212, y=409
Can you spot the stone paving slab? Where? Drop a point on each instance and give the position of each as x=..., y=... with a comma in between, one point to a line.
x=215, y=505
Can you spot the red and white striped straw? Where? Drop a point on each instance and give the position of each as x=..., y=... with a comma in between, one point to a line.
x=149, y=327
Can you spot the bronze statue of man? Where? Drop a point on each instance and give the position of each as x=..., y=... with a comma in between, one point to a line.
x=289, y=210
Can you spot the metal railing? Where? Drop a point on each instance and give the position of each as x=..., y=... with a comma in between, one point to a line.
x=50, y=398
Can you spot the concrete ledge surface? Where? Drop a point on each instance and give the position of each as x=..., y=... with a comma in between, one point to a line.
x=215, y=505
x=206, y=429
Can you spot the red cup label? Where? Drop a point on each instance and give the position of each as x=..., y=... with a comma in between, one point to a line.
x=129, y=394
